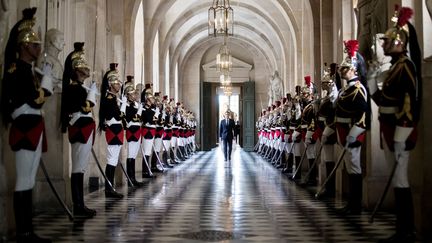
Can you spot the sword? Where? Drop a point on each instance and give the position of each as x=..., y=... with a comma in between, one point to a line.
x=127, y=176
x=383, y=195
x=145, y=160
x=321, y=189
x=301, y=162
x=100, y=169
x=63, y=204
x=157, y=157
x=312, y=166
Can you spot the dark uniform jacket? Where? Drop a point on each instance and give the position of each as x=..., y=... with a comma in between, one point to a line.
x=113, y=120
x=397, y=101
x=24, y=89
x=326, y=117
x=351, y=108
x=149, y=122
x=133, y=123
x=77, y=107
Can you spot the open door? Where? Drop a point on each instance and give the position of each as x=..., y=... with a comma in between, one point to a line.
x=248, y=116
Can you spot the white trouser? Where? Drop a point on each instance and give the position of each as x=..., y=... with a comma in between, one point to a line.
x=147, y=146
x=180, y=141
x=27, y=163
x=400, y=178
x=282, y=146
x=327, y=153
x=352, y=160
x=113, y=152
x=297, y=149
x=133, y=148
x=81, y=154
x=158, y=144
x=311, y=151
x=167, y=145
x=173, y=142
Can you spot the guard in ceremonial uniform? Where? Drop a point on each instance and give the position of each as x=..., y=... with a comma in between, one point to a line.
x=23, y=95
x=295, y=132
x=133, y=129
x=326, y=124
x=111, y=118
x=352, y=122
x=76, y=117
x=310, y=131
x=149, y=118
x=399, y=108
x=157, y=142
x=167, y=132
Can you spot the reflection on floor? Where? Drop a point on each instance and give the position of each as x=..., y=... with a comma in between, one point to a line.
x=205, y=199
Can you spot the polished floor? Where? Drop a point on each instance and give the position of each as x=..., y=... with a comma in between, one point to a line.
x=205, y=199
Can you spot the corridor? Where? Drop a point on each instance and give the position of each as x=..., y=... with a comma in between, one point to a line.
x=205, y=199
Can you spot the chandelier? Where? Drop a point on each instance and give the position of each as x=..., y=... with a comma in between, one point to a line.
x=221, y=18
x=225, y=79
x=227, y=90
x=224, y=59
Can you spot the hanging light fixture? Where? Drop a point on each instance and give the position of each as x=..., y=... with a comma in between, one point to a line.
x=227, y=90
x=221, y=18
x=225, y=79
x=224, y=59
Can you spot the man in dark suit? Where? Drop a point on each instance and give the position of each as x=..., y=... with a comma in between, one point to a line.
x=226, y=134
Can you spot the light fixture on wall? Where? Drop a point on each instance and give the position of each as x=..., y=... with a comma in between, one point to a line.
x=224, y=59
x=220, y=18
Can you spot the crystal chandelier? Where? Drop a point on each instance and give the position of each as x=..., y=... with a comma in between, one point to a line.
x=224, y=59
x=221, y=18
x=225, y=79
x=227, y=90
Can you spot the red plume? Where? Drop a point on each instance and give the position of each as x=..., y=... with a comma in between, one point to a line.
x=307, y=80
x=404, y=15
x=351, y=47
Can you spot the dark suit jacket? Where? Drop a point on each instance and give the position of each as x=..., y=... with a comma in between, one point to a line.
x=226, y=130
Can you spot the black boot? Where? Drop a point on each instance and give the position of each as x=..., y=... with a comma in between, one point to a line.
x=77, y=189
x=23, y=205
x=109, y=191
x=331, y=184
x=130, y=168
x=146, y=171
x=281, y=163
x=289, y=164
x=354, y=206
x=154, y=162
x=312, y=180
x=173, y=157
x=165, y=160
x=405, y=231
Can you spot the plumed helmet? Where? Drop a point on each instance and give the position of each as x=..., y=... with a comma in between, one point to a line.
x=350, y=50
x=399, y=32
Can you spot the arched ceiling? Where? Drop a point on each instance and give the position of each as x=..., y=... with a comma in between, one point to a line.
x=271, y=27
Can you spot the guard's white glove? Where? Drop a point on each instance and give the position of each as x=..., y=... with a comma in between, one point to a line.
x=123, y=104
x=354, y=133
x=91, y=95
x=381, y=77
x=157, y=112
x=295, y=135
x=308, y=137
x=140, y=109
x=47, y=80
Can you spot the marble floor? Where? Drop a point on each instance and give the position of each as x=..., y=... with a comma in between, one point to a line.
x=205, y=199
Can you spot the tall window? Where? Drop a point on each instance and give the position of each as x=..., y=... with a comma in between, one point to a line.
x=156, y=63
x=167, y=75
x=139, y=46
